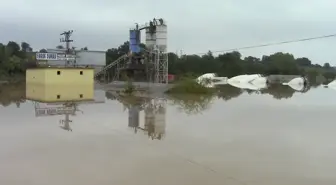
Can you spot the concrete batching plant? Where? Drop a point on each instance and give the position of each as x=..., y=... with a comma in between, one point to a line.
x=149, y=64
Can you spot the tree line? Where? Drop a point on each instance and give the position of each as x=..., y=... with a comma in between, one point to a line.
x=232, y=64
x=15, y=58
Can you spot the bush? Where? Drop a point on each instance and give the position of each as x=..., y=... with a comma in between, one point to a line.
x=190, y=86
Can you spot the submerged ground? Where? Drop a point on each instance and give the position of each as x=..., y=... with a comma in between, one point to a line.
x=275, y=137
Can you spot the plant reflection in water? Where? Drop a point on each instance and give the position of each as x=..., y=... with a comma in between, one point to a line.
x=155, y=114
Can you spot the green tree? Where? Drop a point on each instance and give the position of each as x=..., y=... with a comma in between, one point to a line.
x=12, y=48
x=25, y=47
x=13, y=59
x=303, y=61
x=326, y=65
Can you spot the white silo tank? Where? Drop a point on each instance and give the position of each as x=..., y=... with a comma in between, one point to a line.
x=161, y=37
x=150, y=39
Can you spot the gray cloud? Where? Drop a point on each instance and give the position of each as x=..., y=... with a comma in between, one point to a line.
x=194, y=26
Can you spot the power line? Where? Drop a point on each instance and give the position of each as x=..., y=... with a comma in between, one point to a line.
x=270, y=44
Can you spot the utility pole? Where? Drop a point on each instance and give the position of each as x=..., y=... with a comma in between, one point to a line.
x=66, y=39
x=68, y=51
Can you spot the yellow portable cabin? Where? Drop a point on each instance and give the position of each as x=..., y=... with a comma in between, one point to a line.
x=61, y=76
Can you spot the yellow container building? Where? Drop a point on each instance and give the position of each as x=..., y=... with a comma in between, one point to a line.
x=59, y=93
x=61, y=76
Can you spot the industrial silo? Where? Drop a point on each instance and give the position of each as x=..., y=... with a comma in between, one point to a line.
x=150, y=37
x=161, y=37
x=134, y=41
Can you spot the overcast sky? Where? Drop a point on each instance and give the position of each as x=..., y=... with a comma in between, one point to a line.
x=194, y=26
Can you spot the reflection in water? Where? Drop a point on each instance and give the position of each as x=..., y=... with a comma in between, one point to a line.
x=228, y=92
x=66, y=123
x=283, y=92
x=134, y=117
x=192, y=104
x=16, y=93
x=59, y=100
x=262, y=150
x=277, y=91
x=66, y=108
x=155, y=118
x=12, y=93
x=154, y=109
x=60, y=108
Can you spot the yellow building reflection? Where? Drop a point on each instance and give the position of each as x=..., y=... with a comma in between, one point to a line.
x=59, y=93
x=52, y=100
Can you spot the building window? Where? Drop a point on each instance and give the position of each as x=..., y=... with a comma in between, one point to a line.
x=81, y=95
x=58, y=72
x=81, y=72
x=58, y=96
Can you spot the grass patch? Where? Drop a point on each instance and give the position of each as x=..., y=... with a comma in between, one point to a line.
x=190, y=86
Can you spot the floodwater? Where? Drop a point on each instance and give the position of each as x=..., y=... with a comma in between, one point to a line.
x=274, y=137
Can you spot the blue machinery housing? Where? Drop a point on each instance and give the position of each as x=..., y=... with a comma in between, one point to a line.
x=135, y=41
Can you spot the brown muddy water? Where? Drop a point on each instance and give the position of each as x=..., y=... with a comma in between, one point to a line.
x=274, y=137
